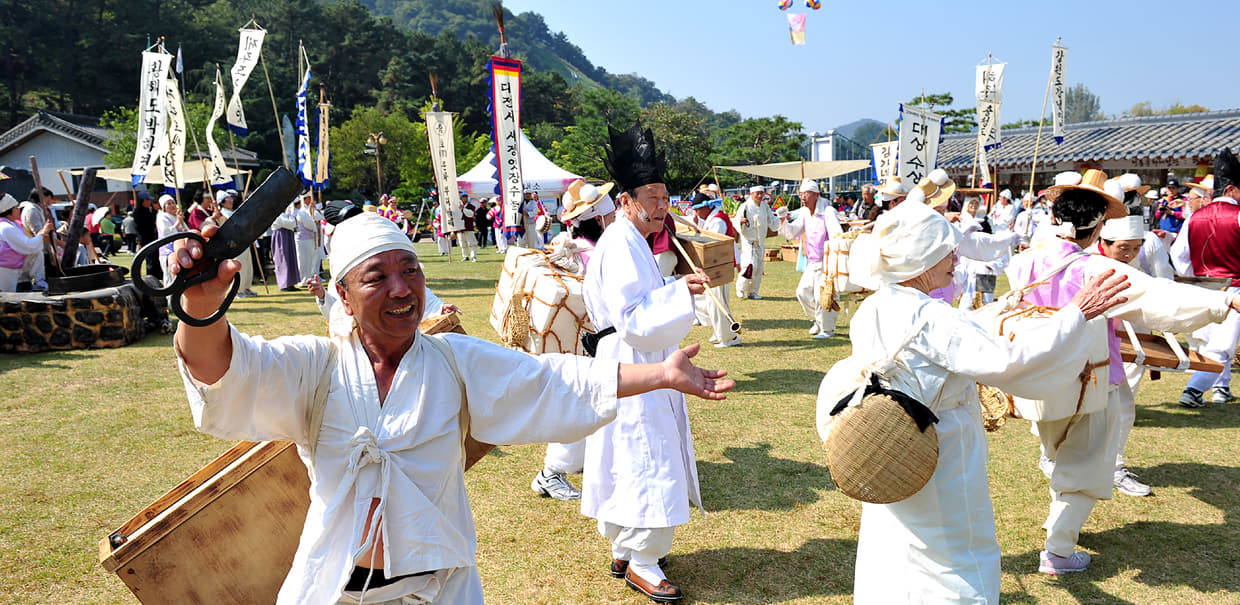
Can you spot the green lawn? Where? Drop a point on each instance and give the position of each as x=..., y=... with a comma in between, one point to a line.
x=91, y=437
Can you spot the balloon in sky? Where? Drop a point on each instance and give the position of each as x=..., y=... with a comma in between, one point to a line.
x=785, y=4
x=814, y=4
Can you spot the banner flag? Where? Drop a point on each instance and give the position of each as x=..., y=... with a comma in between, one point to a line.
x=305, y=166
x=796, y=28
x=443, y=160
x=219, y=174
x=884, y=160
x=506, y=135
x=323, y=162
x=984, y=162
x=989, y=82
x=248, y=53
x=920, y=131
x=1059, y=90
x=152, y=114
x=988, y=131
x=173, y=156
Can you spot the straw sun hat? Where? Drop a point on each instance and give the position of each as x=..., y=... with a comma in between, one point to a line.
x=1095, y=181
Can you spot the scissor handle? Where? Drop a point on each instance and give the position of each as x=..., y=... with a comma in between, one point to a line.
x=149, y=285
x=210, y=319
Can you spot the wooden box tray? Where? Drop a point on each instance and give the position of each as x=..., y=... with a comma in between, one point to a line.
x=227, y=534
x=713, y=252
x=789, y=252
x=1159, y=354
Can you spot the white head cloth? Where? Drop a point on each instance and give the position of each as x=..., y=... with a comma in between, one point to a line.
x=1127, y=228
x=354, y=241
x=7, y=203
x=809, y=185
x=1068, y=178
x=905, y=243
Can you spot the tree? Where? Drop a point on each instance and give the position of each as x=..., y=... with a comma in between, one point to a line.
x=1081, y=105
x=680, y=134
x=403, y=159
x=581, y=149
x=954, y=120
x=759, y=141
x=1145, y=108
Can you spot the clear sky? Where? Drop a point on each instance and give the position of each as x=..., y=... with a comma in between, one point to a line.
x=863, y=57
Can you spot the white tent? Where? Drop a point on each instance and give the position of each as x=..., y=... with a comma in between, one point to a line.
x=795, y=171
x=541, y=176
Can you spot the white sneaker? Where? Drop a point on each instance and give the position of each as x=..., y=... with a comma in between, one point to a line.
x=823, y=335
x=735, y=342
x=554, y=485
x=813, y=330
x=1055, y=564
x=1126, y=482
x=754, y=297
x=1222, y=395
x=1047, y=465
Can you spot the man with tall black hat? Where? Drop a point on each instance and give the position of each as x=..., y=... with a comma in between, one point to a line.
x=1213, y=235
x=640, y=476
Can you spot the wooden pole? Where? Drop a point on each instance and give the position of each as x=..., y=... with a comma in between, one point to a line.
x=47, y=209
x=274, y=110
x=74, y=236
x=736, y=326
x=1037, y=143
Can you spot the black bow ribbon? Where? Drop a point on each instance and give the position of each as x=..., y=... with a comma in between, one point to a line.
x=921, y=415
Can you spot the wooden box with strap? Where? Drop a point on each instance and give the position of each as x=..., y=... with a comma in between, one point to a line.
x=715, y=253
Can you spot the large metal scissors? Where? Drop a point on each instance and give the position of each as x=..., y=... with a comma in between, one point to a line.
x=239, y=232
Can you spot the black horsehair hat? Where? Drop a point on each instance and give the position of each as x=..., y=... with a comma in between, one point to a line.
x=1226, y=171
x=631, y=158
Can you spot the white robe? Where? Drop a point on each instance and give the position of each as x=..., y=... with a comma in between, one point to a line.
x=640, y=471
x=309, y=250
x=716, y=315
x=752, y=244
x=939, y=545
x=407, y=452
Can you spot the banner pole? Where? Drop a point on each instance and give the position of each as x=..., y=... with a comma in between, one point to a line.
x=1033, y=170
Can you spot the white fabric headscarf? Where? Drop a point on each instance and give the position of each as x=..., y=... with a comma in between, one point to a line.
x=905, y=243
x=1127, y=228
x=355, y=240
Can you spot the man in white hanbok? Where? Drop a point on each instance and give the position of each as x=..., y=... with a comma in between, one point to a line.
x=378, y=413
x=753, y=218
x=938, y=545
x=1084, y=446
x=309, y=240
x=813, y=228
x=715, y=311
x=640, y=475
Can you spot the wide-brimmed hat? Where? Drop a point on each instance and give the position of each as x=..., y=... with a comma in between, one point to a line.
x=1093, y=180
x=934, y=190
x=581, y=196
x=892, y=189
x=1132, y=182
x=1206, y=184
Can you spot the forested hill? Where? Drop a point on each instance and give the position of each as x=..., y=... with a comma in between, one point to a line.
x=528, y=37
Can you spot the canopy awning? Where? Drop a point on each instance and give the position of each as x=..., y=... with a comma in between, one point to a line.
x=795, y=171
x=193, y=174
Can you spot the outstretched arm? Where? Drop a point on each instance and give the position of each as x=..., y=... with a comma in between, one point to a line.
x=676, y=372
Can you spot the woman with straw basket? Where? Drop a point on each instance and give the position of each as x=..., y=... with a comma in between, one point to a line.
x=938, y=544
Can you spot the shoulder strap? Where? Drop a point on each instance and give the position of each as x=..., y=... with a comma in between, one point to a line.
x=441, y=345
x=315, y=422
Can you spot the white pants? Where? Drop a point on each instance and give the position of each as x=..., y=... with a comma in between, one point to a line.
x=1221, y=347
x=468, y=243
x=807, y=295
x=450, y=586
x=445, y=245
x=565, y=458
x=752, y=253
x=309, y=263
x=8, y=279
x=501, y=242
x=710, y=314
x=533, y=239
x=247, y=271
x=1084, y=468
x=642, y=547
x=34, y=269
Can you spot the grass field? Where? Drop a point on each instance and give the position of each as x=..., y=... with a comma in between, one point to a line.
x=91, y=437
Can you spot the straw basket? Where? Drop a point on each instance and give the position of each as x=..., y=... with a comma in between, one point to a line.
x=996, y=407
x=876, y=453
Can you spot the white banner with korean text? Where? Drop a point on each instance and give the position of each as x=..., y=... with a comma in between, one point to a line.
x=988, y=131
x=1059, y=90
x=884, y=160
x=152, y=114
x=506, y=124
x=219, y=172
x=173, y=156
x=988, y=85
x=920, y=130
x=443, y=161
x=248, y=53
